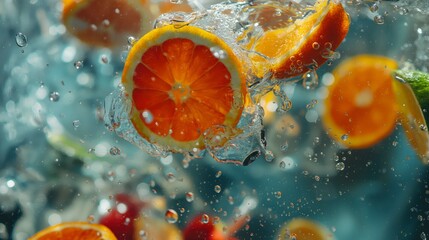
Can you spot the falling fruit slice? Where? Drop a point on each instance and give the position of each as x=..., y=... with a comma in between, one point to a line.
x=408, y=86
x=302, y=46
x=360, y=109
x=75, y=231
x=304, y=229
x=183, y=81
x=106, y=23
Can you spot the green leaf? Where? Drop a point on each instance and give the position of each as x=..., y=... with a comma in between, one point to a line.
x=419, y=82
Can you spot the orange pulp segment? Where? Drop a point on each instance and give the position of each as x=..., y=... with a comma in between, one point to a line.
x=360, y=109
x=304, y=45
x=106, y=23
x=75, y=231
x=303, y=229
x=179, y=88
x=412, y=119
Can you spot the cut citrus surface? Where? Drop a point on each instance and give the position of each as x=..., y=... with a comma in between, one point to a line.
x=179, y=88
x=412, y=119
x=304, y=45
x=75, y=231
x=303, y=229
x=106, y=23
x=360, y=109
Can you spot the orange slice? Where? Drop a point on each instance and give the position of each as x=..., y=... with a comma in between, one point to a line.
x=179, y=88
x=75, y=231
x=360, y=109
x=106, y=23
x=412, y=119
x=304, y=45
x=303, y=229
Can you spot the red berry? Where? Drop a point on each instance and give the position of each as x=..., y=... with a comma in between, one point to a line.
x=121, y=218
x=198, y=230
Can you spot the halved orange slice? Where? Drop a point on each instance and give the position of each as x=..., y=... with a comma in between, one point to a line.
x=106, y=23
x=75, y=231
x=361, y=109
x=183, y=81
x=304, y=229
x=304, y=45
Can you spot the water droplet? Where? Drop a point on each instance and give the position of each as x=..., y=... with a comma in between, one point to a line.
x=315, y=45
x=147, y=116
x=344, y=137
x=282, y=165
x=205, y=218
x=218, y=174
x=21, y=40
x=76, y=123
x=310, y=80
x=90, y=218
x=131, y=40
x=54, y=96
x=379, y=19
x=278, y=194
x=373, y=7
x=104, y=59
x=171, y=216
x=114, y=151
x=78, y=64
x=340, y=166
x=171, y=177
x=217, y=189
x=218, y=52
x=284, y=147
x=189, y=196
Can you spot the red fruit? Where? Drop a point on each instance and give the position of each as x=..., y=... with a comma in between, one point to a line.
x=197, y=230
x=121, y=218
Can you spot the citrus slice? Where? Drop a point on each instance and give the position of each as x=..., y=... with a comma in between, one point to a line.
x=304, y=45
x=75, y=231
x=412, y=119
x=106, y=23
x=182, y=81
x=360, y=109
x=303, y=229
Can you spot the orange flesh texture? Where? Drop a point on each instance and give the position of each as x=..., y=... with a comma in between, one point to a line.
x=182, y=97
x=122, y=19
x=411, y=116
x=291, y=49
x=361, y=101
x=82, y=231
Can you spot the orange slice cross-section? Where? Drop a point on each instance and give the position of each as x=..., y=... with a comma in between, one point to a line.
x=179, y=88
x=75, y=231
x=306, y=44
x=361, y=108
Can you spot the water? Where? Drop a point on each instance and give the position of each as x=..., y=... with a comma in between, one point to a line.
x=68, y=147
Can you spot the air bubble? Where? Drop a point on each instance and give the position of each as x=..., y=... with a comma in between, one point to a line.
x=205, y=218
x=189, y=197
x=218, y=53
x=278, y=194
x=310, y=80
x=340, y=166
x=171, y=216
x=54, y=96
x=379, y=19
x=104, y=59
x=78, y=64
x=176, y=1
x=114, y=151
x=217, y=189
x=131, y=40
x=76, y=123
x=373, y=7
x=315, y=45
x=344, y=137
x=21, y=39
